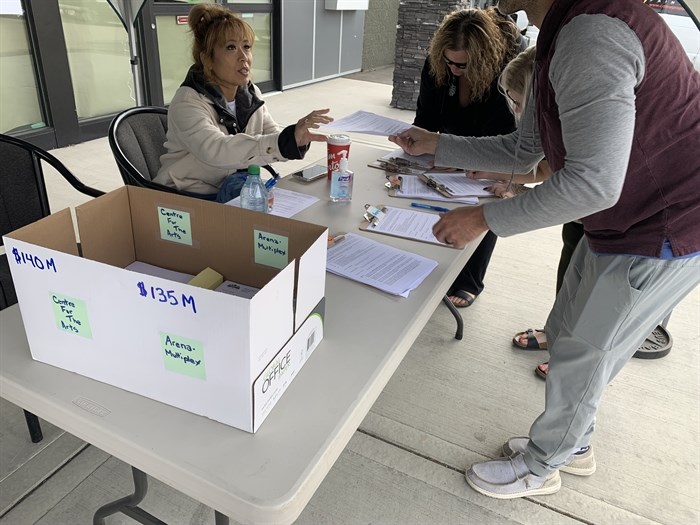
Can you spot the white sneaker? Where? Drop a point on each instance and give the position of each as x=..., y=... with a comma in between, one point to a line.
x=581, y=464
x=508, y=478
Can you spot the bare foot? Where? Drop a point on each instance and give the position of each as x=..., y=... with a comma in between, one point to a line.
x=542, y=370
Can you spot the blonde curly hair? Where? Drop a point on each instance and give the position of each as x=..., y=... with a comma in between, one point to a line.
x=211, y=25
x=489, y=39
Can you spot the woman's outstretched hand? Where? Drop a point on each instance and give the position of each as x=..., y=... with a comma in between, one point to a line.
x=313, y=120
x=416, y=141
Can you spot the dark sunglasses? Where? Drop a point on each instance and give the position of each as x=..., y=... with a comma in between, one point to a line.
x=458, y=65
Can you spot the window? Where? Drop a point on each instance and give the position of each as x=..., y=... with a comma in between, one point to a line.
x=98, y=55
x=20, y=106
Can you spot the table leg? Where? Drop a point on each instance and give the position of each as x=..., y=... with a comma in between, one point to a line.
x=34, y=427
x=220, y=519
x=128, y=504
x=457, y=315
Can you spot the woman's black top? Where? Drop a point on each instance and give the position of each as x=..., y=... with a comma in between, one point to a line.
x=439, y=109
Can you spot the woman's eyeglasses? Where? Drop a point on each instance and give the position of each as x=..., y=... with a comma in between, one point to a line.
x=515, y=103
x=458, y=65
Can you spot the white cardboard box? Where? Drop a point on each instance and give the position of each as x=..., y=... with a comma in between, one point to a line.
x=211, y=353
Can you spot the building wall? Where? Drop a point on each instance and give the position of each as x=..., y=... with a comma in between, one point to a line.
x=418, y=21
x=319, y=43
x=380, y=34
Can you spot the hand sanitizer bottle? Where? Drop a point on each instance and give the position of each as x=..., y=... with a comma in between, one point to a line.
x=341, y=181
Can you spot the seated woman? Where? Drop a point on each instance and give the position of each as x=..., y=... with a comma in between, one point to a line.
x=459, y=95
x=217, y=121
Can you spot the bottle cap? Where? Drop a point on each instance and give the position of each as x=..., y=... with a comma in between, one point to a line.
x=343, y=163
x=254, y=169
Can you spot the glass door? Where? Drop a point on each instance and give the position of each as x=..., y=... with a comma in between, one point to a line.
x=167, y=45
x=20, y=97
x=64, y=70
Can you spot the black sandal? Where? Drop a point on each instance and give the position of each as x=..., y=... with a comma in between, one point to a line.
x=465, y=296
x=532, y=342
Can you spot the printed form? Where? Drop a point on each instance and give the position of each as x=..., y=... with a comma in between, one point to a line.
x=287, y=203
x=369, y=123
x=384, y=267
x=409, y=224
x=414, y=188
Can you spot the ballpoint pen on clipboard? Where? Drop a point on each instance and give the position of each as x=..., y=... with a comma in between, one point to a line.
x=429, y=207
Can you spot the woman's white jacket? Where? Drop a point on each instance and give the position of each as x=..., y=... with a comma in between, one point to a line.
x=200, y=150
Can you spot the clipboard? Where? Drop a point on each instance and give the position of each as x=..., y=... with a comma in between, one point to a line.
x=461, y=186
x=423, y=223
x=391, y=167
x=437, y=186
x=412, y=187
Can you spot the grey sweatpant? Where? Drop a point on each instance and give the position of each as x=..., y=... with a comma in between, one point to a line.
x=606, y=307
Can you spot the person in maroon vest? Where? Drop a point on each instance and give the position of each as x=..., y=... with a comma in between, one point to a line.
x=616, y=112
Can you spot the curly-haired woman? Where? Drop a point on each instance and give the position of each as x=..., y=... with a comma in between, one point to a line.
x=459, y=95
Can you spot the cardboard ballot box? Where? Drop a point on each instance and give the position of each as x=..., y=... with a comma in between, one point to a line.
x=225, y=357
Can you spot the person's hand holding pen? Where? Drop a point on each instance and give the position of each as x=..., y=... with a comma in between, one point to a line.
x=416, y=141
x=313, y=120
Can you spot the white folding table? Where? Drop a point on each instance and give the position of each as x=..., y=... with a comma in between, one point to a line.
x=267, y=477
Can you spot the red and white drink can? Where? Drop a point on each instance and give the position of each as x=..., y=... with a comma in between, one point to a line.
x=337, y=144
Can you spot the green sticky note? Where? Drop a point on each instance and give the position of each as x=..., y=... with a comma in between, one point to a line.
x=71, y=315
x=271, y=249
x=175, y=225
x=182, y=355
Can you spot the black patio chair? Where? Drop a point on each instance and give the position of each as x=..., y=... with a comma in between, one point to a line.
x=23, y=200
x=137, y=137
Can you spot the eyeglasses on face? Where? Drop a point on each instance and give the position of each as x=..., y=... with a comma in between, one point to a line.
x=458, y=65
x=515, y=103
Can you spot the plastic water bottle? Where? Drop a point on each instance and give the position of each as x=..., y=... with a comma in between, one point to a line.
x=253, y=194
x=341, y=181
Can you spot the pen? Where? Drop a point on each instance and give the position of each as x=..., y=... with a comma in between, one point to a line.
x=428, y=207
x=335, y=239
x=270, y=183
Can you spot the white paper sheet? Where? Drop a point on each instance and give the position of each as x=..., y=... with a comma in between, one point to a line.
x=287, y=203
x=369, y=123
x=370, y=262
x=410, y=224
x=238, y=289
x=414, y=188
x=157, y=271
